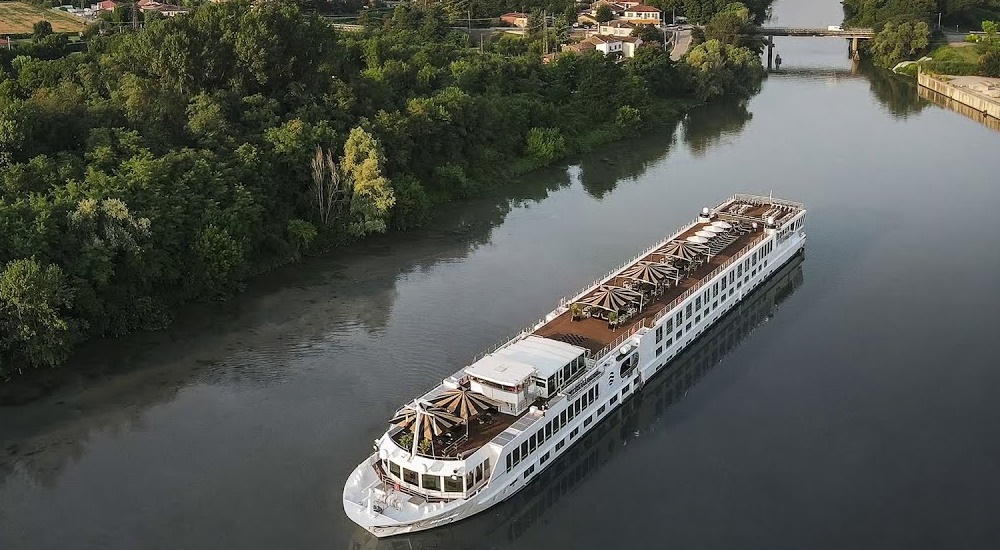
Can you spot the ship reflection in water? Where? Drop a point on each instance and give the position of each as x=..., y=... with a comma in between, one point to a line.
x=513, y=518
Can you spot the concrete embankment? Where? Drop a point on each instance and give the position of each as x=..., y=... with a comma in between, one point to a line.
x=976, y=93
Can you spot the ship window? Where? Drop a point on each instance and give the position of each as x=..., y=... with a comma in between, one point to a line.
x=739, y=270
x=659, y=350
x=669, y=342
x=600, y=410
x=517, y=455
x=659, y=333
x=730, y=291
x=479, y=473
x=697, y=302
x=697, y=319
x=524, y=448
x=687, y=327
x=531, y=443
x=679, y=318
x=687, y=311
x=470, y=482
x=548, y=430
x=724, y=281
x=679, y=333
x=510, y=459
x=562, y=419
x=409, y=476
x=732, y=276
x=614, y=399
x=486, y=467
x=576, y=407
x=430, y=482
x=453, y=484
x=668, y=326
x=529, y=471
x=543, y=458
x=560, y=444
x=394, y=469
x=588, y=420
x=570, y=413
x=574, y=432
x=715, y=304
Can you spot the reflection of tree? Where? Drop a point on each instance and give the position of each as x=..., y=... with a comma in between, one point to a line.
x=897, y=94
x=601, y=170
x=221, y=343
x=516, y=516
x=706, y=126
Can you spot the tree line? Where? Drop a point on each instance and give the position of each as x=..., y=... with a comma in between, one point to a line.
x=904, y=27
x=169, y=164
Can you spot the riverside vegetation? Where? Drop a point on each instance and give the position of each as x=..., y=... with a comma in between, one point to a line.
x=903, y=28
x=169, y=164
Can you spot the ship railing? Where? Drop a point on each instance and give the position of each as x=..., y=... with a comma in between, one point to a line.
x=700, y=284
x=573, y=390
x=618, y=341
x=761, y=200
x=566, y=300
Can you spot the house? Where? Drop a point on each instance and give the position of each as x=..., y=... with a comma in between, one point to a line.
x=106, y=5
x=616, y=28
x=516, y=19
x=643, y=15
x=167, y=10
x=4, y=43
x=608, y=45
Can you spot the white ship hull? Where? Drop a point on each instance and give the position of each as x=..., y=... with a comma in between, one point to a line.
x=378, y=502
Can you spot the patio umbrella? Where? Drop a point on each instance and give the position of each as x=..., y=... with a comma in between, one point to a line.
x=682, y=250
x=649, y=272
x=428, y=420
x=612, y=298
x=463, y=402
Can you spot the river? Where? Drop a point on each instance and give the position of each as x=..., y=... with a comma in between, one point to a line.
x=853, y=402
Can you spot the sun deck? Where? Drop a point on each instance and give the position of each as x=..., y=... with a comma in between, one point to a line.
x=597, y=333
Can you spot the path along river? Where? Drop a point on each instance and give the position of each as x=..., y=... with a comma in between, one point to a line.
x=855, y=403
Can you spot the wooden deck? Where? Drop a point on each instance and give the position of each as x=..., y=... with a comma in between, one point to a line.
x=594, y=334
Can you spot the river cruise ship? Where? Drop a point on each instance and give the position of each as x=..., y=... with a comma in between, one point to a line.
x=486, y=431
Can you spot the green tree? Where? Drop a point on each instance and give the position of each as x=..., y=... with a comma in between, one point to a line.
x=220, y=260
x=604, y=13
x=734, y=25
x=34, y=305
x=897, y=41
x=722, y=70
x=40, y=30
x=372, y=198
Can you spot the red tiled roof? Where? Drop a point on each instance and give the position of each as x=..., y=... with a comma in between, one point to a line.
x=641, y=8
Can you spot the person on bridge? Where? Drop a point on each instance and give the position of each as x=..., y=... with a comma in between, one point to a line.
x=777, y=62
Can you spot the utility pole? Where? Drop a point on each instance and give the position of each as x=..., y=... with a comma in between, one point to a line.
x=939, y=21
x=545, y=32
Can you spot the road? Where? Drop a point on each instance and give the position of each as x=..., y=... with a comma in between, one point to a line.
x=682, y=41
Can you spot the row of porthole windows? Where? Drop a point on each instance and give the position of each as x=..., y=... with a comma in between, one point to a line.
x=561, y=443
x=703, y=300
x=551, y=427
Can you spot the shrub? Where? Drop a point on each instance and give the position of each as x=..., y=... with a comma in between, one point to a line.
x=546, y=144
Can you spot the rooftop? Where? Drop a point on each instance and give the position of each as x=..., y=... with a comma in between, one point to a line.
x=546, y=356
x=600, y=323
x=501, y=370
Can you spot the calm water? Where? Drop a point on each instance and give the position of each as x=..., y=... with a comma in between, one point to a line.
x=854, y=402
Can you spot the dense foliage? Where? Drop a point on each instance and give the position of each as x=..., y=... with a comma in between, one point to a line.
x=169, y=164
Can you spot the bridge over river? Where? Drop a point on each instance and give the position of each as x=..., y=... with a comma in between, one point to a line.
x=835, y=31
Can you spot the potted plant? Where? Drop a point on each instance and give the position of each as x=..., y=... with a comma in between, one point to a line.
x=424, y=446
x=407, y=440
x=613, y=318
x=577, y=311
